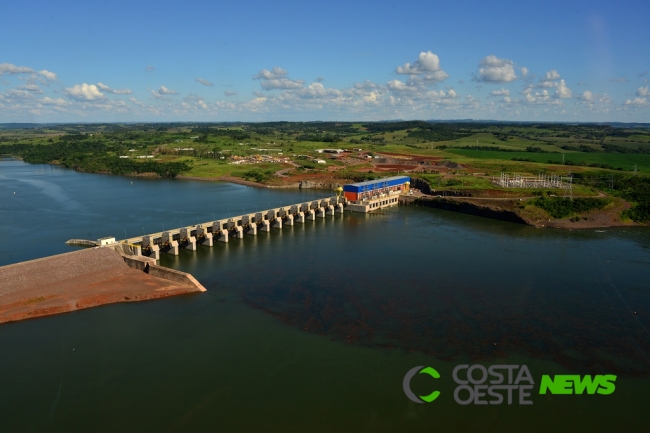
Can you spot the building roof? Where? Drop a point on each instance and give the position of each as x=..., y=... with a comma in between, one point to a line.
x=391, y=180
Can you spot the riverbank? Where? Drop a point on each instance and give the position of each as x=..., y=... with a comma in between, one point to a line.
x=512, y=210
x=83, y=279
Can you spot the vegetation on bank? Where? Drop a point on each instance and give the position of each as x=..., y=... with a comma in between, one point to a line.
x=91, y=157
x=257, y=175
x=560, y=207
x=634, y=189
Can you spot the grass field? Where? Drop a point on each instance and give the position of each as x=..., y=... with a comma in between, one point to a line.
x=208, y=168
x=625, y=161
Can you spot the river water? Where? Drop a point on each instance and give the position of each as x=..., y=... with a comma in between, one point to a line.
x=313, y=327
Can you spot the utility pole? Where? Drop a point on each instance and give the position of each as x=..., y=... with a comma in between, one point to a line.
x=562, y=159
x=635, y=169
x=476, y=144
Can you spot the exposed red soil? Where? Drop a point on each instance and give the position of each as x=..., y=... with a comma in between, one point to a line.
x=393, y=167
x=415, y=157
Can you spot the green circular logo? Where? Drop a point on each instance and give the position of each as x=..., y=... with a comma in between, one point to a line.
x=406, y=384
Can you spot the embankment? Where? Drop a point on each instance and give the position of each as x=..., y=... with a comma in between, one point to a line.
x=83, y=279
x=463, y=206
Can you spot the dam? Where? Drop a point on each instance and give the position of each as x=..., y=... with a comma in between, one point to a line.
x=222, y=230
x=109, y=271
x=364, y=197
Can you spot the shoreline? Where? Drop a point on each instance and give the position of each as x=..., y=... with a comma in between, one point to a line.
x=600, y=219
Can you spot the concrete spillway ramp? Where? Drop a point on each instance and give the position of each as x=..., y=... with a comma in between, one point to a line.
x=264, y=226
x=300, y=217
x=83, y=279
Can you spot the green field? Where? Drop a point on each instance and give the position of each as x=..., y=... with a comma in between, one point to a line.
x=624, y=161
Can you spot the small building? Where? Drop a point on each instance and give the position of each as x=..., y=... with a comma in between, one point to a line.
x=106, y=241
x=376, y=194
x=330, y=150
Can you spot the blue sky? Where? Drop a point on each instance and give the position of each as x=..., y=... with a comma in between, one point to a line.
x=258, y=61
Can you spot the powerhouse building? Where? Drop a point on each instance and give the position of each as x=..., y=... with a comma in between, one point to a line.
x=376, y=194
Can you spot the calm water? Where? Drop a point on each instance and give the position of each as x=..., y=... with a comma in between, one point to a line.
x=313, y=327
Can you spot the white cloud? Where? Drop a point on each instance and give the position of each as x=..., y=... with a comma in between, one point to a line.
x=538, y=98
x=637, y=102
x=401, y=87
x=275, y=73
x=162, y=90
x=496, y=70
x=366, y=85
x=427, y=66
x=642, y=91
x=51, y=76
x=562, y=90
x=586, y=96
x=552, y=75
x=84, y=92
x=502, y=92
x=524, y=71
x=31, y=87
x=11, y=69
x=194, y=102
x=277, y=79
x=19, y=94
x=204, y=82
x=149, y=69
x=103, y=87
x=229, y=93
x=619, y=80
x=548, y=81
x=58, y=102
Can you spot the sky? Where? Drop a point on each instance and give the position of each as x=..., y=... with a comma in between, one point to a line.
x=214, y=61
